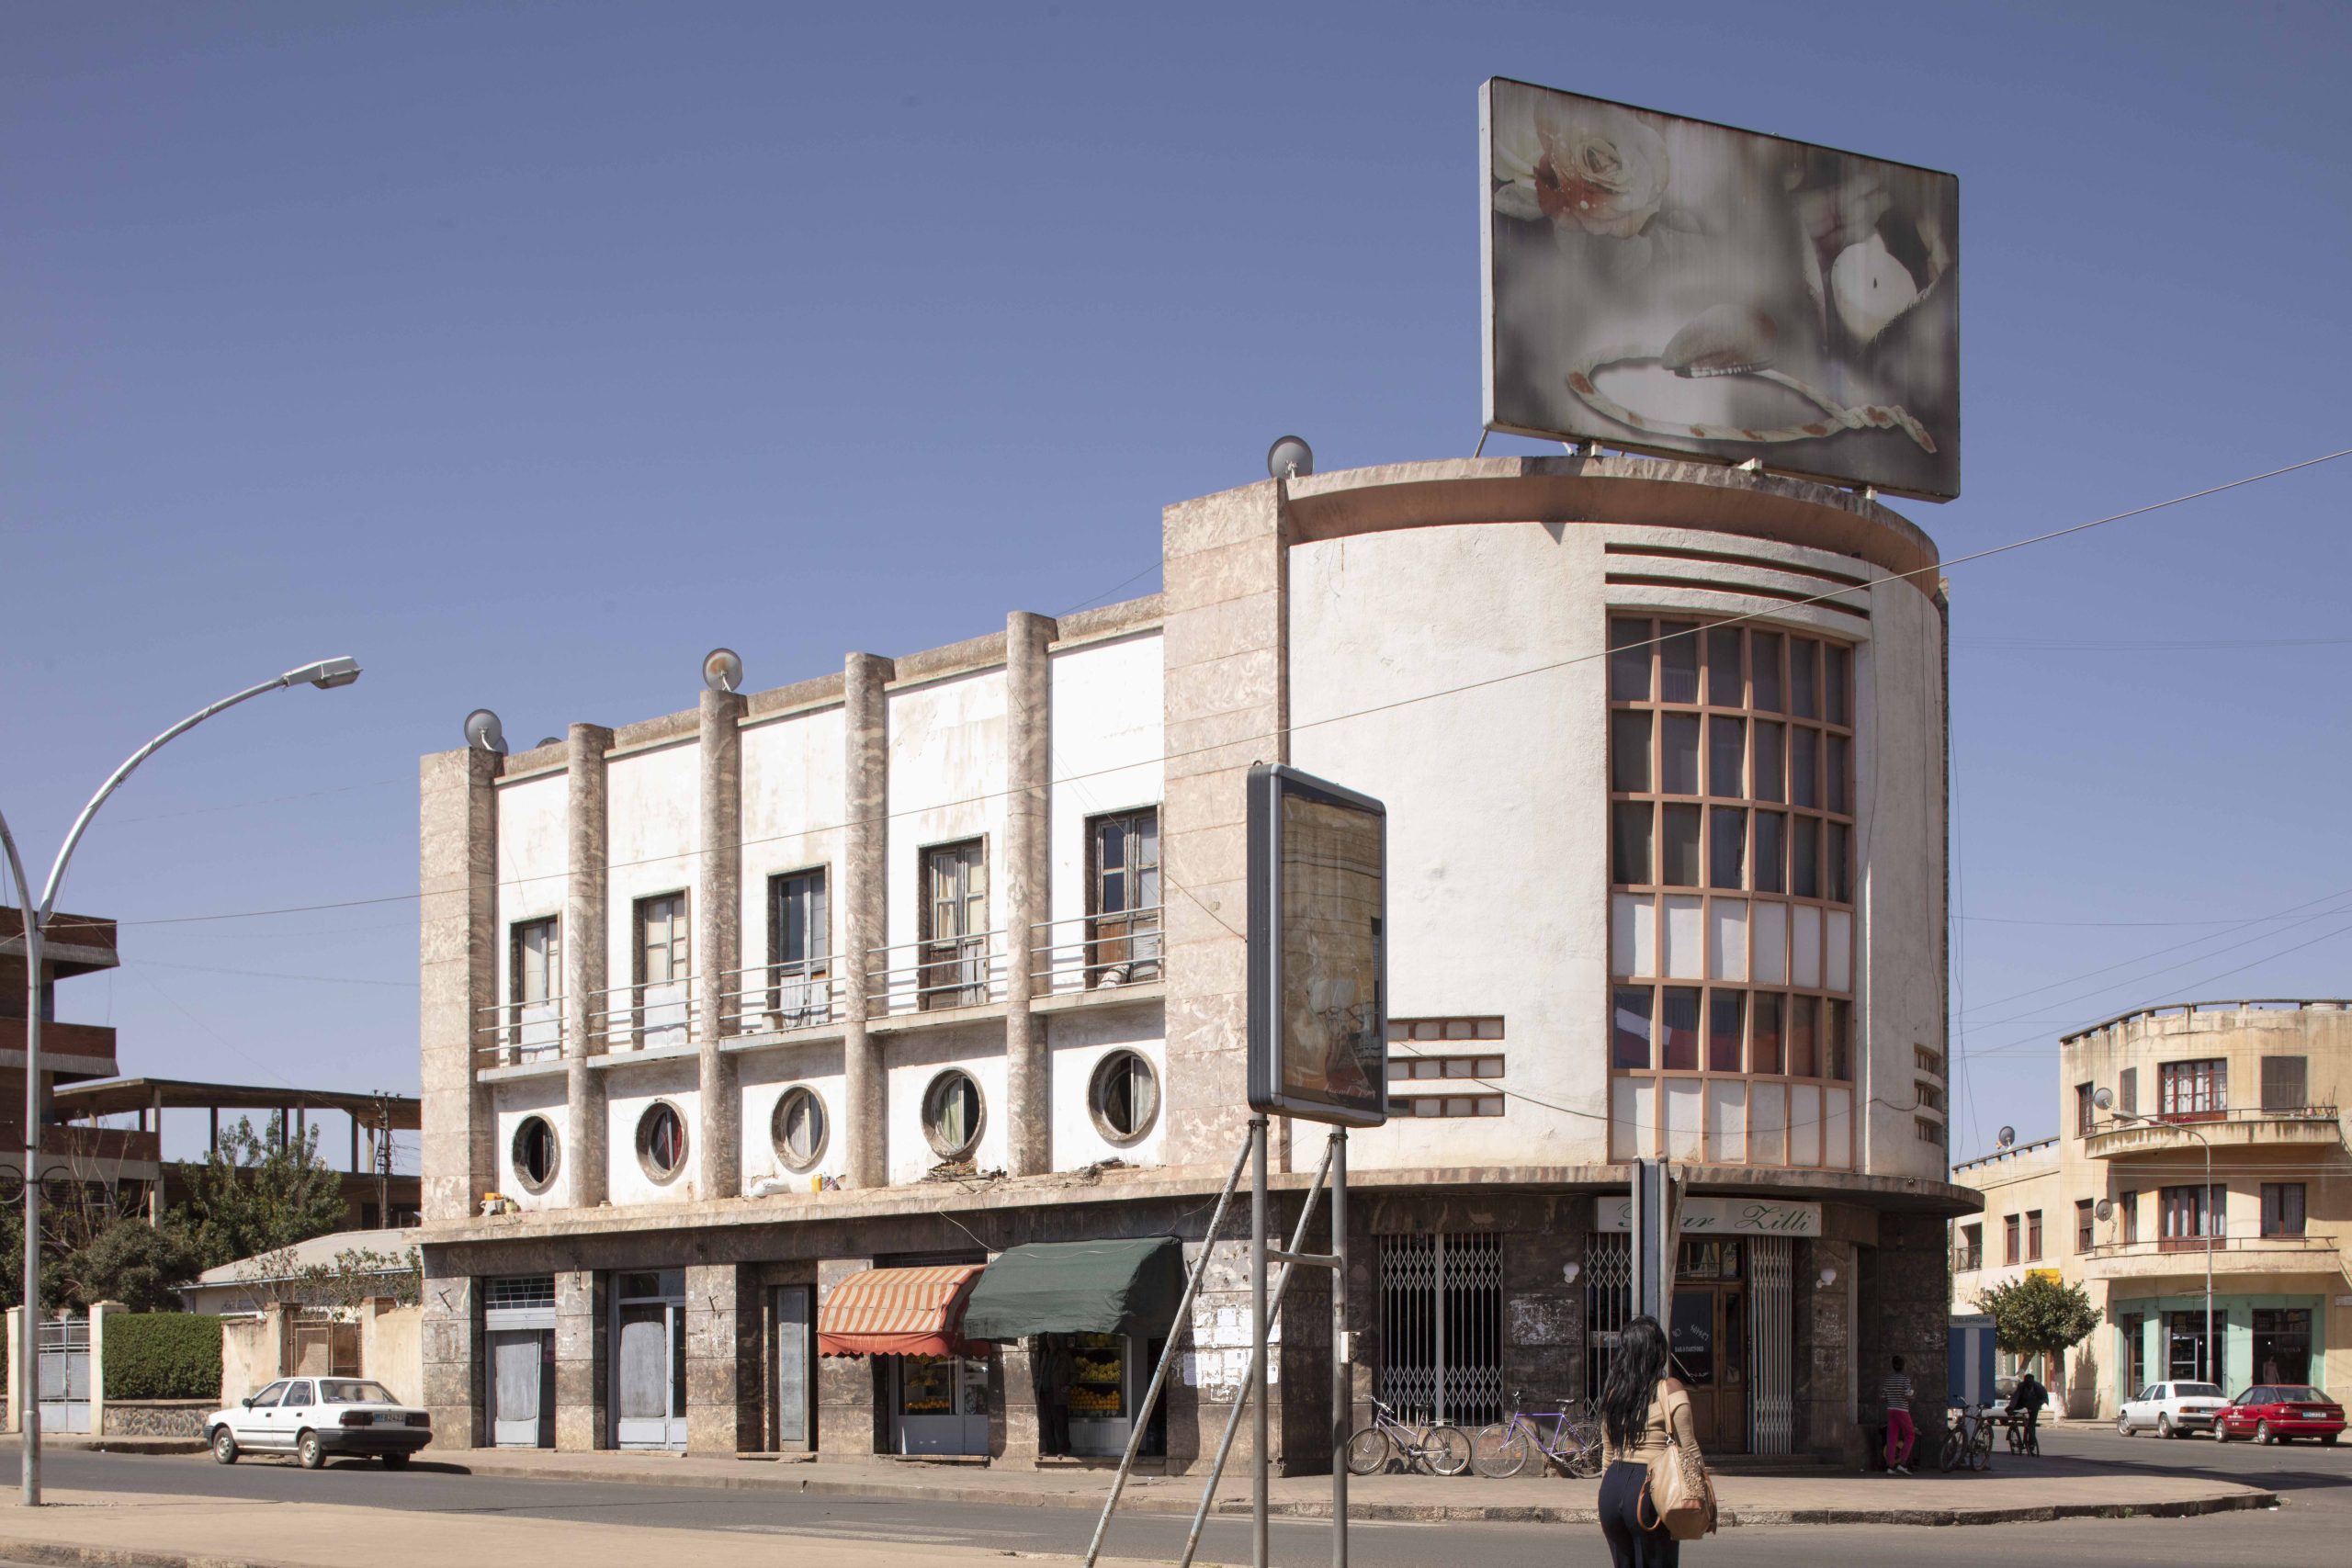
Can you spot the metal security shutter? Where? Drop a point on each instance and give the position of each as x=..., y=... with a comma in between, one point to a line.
x=2282, y=1083
x=1771, y=1338
x=525, y=1300
x=1608, y=1304
x=1442, y=1326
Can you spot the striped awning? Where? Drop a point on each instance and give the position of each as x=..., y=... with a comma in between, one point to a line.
x=899, y=1312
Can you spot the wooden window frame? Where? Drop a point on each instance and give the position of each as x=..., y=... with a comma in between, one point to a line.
x=2033, y=1237
x=2085, y=1111
x=2302, y=1208
x=1621, y=629
x=935, y=957
x=2086, y=1224
x=2012, y=1240
x=818, y=971
x=2196, y=1089
x=1122, y=945
x=638, y=980
x=2285, y=1098
x=516, y=1000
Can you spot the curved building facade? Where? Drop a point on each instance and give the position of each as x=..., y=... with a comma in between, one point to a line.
x=941, y=957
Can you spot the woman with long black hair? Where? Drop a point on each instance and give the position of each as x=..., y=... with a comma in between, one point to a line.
x=1640, y=1406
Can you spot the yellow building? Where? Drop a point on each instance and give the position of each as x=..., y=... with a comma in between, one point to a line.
x=2220, y=1154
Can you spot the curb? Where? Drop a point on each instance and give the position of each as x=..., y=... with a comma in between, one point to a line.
x=49, y=1554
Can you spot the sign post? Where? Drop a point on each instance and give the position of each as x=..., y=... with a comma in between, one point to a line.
x=1319, y=1047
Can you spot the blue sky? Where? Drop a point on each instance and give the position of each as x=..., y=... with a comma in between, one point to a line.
x=526, y=352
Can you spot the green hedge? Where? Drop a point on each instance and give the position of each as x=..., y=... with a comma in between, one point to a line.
x=163, y=1355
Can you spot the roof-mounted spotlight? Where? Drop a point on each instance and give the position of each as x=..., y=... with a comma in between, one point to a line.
x=722, y=670
x=484, y=732
x=1289, y=459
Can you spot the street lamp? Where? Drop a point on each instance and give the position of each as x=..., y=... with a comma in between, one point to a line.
x=326, y=674
x=2106, y=1102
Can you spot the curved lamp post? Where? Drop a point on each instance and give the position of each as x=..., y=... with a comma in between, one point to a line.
x=2106, y=1102
x=326, y=674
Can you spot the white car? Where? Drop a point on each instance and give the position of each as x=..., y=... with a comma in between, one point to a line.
x=313, y=1417
x=2173, y=1409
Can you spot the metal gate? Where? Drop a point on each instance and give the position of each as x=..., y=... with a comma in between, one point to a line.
x=1608, y=1304
x=66, y=1375
x=320, y=1347
x=1771, y=1338
x=1442, y=1326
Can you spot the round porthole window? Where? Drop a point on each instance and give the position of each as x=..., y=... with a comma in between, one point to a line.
x=951, y=1114
x=662, y=1140
x=798, y=1128
x=1125, y=1095
x=535, y=1154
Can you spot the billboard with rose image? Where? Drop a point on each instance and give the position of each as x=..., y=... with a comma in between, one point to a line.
x=1668, y=285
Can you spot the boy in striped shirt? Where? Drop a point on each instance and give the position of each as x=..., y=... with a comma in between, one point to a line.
x=1895, y=1389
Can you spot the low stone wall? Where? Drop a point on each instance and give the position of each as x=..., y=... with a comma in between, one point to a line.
x=157, y=1417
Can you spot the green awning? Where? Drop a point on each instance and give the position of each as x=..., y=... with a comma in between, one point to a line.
x=1079, y=1287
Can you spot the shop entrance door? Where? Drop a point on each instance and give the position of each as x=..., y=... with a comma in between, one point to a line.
x=2283, y=1345
x=522, y=1377
x=796, y=1329
x=649, y=1359
x=1709, y=1340
x=940, y=1404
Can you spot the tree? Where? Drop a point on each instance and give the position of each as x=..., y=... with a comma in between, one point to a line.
x=354, y=1276
x=132, y=1262
x=2038, y=1316
x=259, y=1192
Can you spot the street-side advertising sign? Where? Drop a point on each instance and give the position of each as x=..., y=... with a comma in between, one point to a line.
x=1318, y=953
x=1674, y=286
x=1720, y=1216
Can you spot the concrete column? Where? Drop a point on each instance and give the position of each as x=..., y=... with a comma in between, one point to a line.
x=448, y=1351
x=457, y=972
x=99, y=1313
x=586, y=946
x=580, y=1383
x=849, y=1420
x=864, y=903
x=1028, y=871
x=719, y=942
x=1227, y=707
x=723, y=1406
x=16, y=1368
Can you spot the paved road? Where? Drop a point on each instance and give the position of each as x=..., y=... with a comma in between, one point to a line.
x=2311, y=1527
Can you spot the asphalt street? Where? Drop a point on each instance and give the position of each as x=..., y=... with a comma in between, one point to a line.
x=2311, y=1526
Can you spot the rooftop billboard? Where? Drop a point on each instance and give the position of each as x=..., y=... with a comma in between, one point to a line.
x=1668, y=285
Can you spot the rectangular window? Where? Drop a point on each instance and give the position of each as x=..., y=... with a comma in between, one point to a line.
x=1724, y=689
x=2130, y=1204
x=2282, y=1083
x=2127, y=1091
x=2085, y=1236
x=1122, y=897
x=2190, y=1216
x=1410, y=1069
x=1727, y=758
x=1929, y=1129
x=2033, y=1235
x=2193, y=1089
x=1765, y=1054
x=2133, y=1327
x=1678, y=662
x=663, y=962
x=1629, y=661
x=1724, y=1010
x=1425, y=1105
x=1929, y=1096
x=2085, y=1113
x=1678, y=1033
x=2282, y=1208
x=1677, y=753
x=1629, y=756
x=1679, y=847
x=1726, y=846
x=1972, y=1248
x=955, y=925
x=1629, y=838
x=2011, y=1231
x=535, y=985
x=1630, y=1031
x=800, y=949
x=1928, y=1061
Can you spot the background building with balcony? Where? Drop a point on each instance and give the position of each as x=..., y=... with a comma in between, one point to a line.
x=77, y=1163
x=2260, y=1085
x=759, y=1037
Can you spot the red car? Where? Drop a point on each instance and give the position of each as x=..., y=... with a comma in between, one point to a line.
x=2275, y=1413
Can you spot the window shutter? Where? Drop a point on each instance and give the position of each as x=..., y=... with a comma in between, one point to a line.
x=2282, y=1083
x=2127, y=1090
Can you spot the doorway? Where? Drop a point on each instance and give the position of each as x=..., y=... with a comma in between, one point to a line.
x=649, y=1359
x=795, y=1356
x=518, y=1322
x=1709, y=1340
x=2283, y=1345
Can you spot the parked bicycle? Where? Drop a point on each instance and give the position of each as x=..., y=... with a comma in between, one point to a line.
x=1504, y=1449
x=1968, y=1437
x=1440, y=1450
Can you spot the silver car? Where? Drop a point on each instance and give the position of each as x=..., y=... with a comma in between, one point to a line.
x=2171, y=1409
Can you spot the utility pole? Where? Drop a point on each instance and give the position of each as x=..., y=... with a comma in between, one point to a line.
x=383, y=1159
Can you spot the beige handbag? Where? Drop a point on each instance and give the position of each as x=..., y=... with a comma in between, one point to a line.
x=1680, y=1493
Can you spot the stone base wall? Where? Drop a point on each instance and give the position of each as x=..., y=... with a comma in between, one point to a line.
x=157, y=1417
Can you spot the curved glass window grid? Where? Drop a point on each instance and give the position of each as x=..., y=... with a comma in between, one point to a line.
x=1731, y=1034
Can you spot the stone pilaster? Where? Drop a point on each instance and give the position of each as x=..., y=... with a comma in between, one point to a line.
x=1825, y=1346
x=458, y=965
x=586, y=945
x=848, y=1422
x=1227, y=708
x=718, y=942
x=722, y=1360
x=1028, y=870
x=450, y=1351
x=865, y=891
x=580, y=1383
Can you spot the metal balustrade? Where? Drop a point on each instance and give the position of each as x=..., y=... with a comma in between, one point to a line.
x=1086, y=952
x=929, y=977
x=773, y=998
x=621, y=1017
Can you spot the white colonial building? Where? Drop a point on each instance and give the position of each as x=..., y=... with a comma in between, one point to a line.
x=799, y=1024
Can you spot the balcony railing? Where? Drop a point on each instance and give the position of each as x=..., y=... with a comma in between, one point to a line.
x=773, y=998
x=2194, y=1245
x=1093, y=953
x=620, y=1018
x=929, y=976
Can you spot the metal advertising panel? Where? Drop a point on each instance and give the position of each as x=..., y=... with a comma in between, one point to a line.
x=1674, y=286
x=1318, y=953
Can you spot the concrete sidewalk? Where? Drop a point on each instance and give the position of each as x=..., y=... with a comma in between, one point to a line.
x=106, y=1529
x=2051, y=1489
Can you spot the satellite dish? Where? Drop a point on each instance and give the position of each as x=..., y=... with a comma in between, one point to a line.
x=2105, y=1208
x=2103, y=1099
x=483, y=729
x=2006, y=1137
x=1289, y=459
x=722, y=670
x=549, y=740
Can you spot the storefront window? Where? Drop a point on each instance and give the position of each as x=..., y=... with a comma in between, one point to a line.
x=927, y=1385
x=2283, y=1345
x=1097, y=1387
x=2185, y=1346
